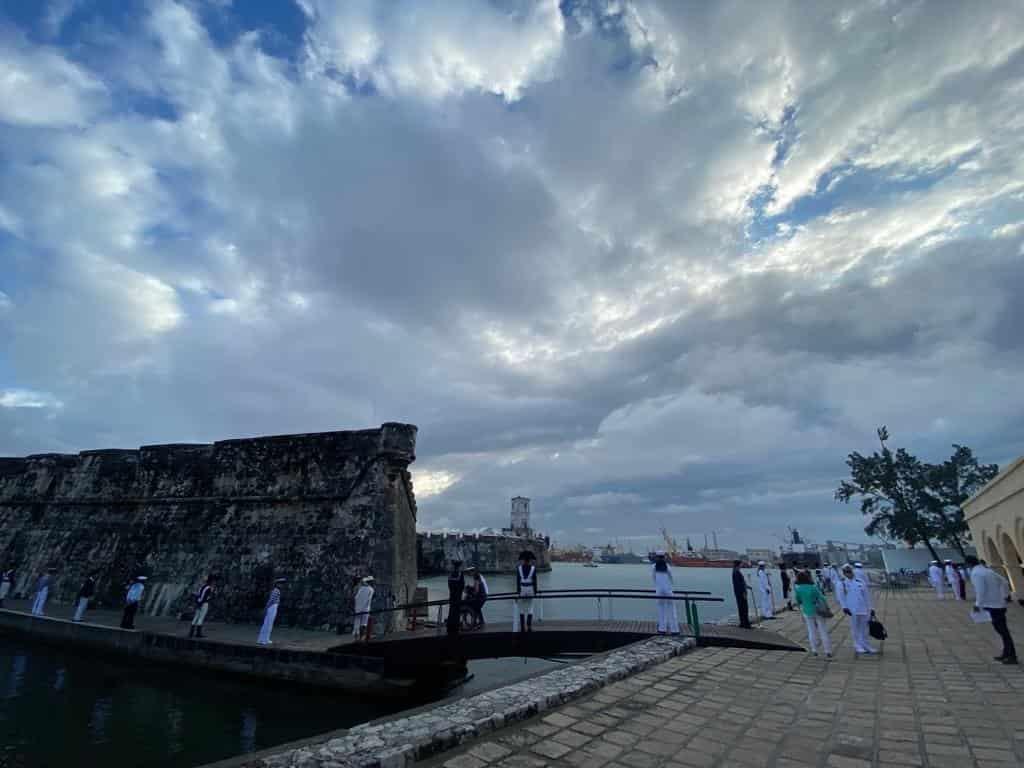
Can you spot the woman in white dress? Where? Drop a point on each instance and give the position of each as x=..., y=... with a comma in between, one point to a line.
x=668, y=621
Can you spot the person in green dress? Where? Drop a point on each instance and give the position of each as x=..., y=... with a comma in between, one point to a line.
x=808, y=596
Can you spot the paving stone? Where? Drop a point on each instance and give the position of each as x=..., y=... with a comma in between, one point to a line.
x=551, y=749
x=464, y=761
x=490, y=751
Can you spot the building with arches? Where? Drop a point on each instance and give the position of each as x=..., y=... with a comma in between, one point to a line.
x=995, y=515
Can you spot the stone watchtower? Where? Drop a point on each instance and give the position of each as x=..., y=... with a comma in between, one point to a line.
x=521, y=517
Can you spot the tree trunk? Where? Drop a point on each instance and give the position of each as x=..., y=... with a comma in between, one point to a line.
x=927, y=543
x=959, y=546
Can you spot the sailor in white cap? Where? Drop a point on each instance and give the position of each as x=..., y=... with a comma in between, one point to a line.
x=764, y=587
x=855, y=599
x=668, y=619
x=270, y=614
x=935, y=579
x=859, y=575
x=361, y=618
x=131, y=602
x=203, y=599
x=951, y=579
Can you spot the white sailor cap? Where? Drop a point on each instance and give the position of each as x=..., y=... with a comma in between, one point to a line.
x=857, y=565
x=367, y=579
x=280, y=581
x=935, y=562
x=141, y=578
x=659, y=553
x=760, y=562
x=949, y=561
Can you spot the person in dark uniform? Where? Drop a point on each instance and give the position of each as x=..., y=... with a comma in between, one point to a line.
x=456, y=586
x=739, y=589
x=85, y=594
x=476, y=595
x=786, y=585
x=203, y=599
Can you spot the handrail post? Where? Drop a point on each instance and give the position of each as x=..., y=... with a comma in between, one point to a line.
x=696, y=622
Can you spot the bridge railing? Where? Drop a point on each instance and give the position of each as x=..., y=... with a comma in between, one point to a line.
x=604, y=603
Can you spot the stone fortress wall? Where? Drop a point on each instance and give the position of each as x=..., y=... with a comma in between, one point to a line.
x=319, y=509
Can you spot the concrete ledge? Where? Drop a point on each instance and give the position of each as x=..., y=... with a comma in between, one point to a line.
x=401, y=741
x=308, y=668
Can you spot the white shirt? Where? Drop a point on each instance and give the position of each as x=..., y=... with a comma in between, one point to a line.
x=364, y=596
x=853, y=595
x=949, y=574
x=763, y=580
x=662, y=580
x=990, y=589
x=859, y=575
x=934, y=574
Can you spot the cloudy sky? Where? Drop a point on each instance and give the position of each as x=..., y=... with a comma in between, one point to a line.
x=643, y=262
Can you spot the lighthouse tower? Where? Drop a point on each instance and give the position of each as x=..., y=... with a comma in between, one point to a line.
x=521, y=516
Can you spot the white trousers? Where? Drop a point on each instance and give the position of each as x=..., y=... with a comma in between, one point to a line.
x=200, y=617
x=817, y=629
x=940, y=589
x=359, y=621
x=83, y=603
x=954, y=588
x=767, y=609
x=859, y=633
x=668, y=619
x=268, y=624
x=524, y=606
x=40, y=602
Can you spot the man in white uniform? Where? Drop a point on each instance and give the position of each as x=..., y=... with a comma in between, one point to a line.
x=860, y=575
x=951, y=579
x=42, y=592
x=935, y=579
x=855, y=598
x=361, y=610
x=992, y=593
x=764, y=588
x=270, y=614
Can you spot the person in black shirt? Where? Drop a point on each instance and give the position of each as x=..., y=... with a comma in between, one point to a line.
x=739, y=589
x=85, y=594
x=456, y=586
x=786, y=583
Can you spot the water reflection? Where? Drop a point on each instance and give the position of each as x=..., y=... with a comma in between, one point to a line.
x=60, y=708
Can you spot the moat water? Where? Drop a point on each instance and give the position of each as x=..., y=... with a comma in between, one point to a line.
x=59, y=708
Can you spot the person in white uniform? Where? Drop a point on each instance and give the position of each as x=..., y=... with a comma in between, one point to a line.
x=764, y=588
x=860, y=575
x=935, y=579
x=668, y=619
x=42, y=592
x=855, y=599
x=361, y=610
x=270, y=613
x=951, y=579
x=6, y=584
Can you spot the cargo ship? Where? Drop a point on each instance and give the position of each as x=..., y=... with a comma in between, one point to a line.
x=689, y=558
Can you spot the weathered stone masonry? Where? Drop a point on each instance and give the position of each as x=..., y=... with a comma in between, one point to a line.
x=319, y=509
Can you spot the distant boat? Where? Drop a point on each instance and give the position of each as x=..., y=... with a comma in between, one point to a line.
x=590, y=564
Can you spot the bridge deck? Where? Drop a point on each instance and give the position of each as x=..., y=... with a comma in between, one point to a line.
x=555, y=636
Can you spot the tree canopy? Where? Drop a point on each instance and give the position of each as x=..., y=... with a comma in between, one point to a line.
x=911, y=500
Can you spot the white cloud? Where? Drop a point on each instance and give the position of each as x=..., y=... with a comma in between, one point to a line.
x=39, y=87
x=26, y=398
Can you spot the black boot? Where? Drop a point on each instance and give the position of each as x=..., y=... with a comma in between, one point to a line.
x=199, y=631
x=529, y=623
x=522, y=623
x=191, y=631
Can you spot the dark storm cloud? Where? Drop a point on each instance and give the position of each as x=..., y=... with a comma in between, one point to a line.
x=644, y=262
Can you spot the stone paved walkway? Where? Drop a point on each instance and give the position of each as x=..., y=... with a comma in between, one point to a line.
x=933, y=698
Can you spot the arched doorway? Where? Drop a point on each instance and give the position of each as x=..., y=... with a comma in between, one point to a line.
x=1012, y=561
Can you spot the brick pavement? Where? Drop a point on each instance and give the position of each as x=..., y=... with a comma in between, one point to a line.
x=934, y=698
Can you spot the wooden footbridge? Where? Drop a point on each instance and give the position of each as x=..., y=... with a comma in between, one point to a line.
x=410, y=652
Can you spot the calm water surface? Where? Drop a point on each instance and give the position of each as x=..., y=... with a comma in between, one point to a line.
x=718, y=581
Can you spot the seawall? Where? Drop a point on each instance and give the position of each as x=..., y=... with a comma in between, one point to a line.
x=319, y=509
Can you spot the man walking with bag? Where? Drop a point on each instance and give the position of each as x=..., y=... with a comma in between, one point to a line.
x=992, y=593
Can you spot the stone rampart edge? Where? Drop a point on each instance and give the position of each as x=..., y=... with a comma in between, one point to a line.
x=398, y=742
